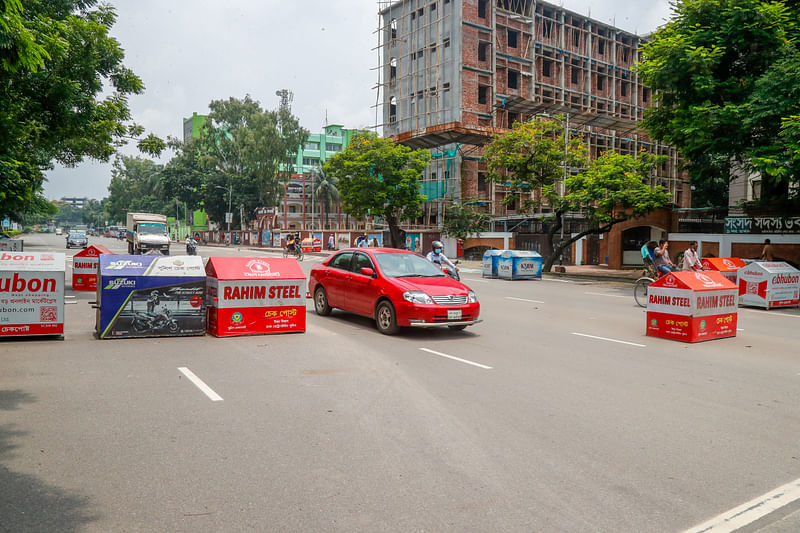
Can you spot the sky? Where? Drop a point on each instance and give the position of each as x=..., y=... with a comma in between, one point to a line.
x=190, y=52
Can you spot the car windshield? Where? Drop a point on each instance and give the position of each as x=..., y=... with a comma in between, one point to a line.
x=77, y=235
x=404, y=265
x=152, y=229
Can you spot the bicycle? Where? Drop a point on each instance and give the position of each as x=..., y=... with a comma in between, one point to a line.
x=649, y=275
x=297, y=252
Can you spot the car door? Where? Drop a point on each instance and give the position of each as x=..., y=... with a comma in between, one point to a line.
x=336, y=277
x=362, y=291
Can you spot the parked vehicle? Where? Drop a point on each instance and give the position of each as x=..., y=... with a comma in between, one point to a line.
x=59, y=231
x=145, y=232
x=396, y=288
x=77, y=239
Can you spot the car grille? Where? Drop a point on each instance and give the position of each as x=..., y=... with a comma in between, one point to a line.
x=443, y=318
x=452, y=299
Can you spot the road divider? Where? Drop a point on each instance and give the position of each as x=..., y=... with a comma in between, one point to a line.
x=454, y=358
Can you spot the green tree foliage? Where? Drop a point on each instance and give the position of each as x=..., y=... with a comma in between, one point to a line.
x=136, y=187
x=56, y=58
x=243, y=147
x=462, y=220
x=725, y=76
x=609, y=190
x=378, y=177
x=326, y=192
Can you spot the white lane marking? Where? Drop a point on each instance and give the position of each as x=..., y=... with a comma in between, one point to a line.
x=773, y=313
x=606, y=294
x=454, y=358
x=607, y=339
x=524, y=300
x=473, y=280
x=557, y=280
x=200, y=385
x=751, y=511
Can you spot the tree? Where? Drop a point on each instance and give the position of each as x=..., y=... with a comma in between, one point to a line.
x=56, y=58
x=462, y=220
x=378, y=177
x=135, y=187
x=724, y=74
x=243, y=147
x=326, y=191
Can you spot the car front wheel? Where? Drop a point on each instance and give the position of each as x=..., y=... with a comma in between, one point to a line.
x=386, y=319
x=321, y=305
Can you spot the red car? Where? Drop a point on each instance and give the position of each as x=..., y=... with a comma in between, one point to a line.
x=395, y=287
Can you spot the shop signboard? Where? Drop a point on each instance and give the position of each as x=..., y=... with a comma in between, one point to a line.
x=31, y=293
x=769, y=284
x=692, y=306
x=728, y=266
x=84, y=267
x=150, y=296
x=255, y=295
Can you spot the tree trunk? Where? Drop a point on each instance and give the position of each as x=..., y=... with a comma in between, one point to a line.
x=551, y=258
x=568, y=242
x=395, y=234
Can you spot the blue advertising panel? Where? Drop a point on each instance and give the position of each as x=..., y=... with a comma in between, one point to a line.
x=150, y=296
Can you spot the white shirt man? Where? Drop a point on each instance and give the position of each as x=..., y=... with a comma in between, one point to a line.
x=691, y=261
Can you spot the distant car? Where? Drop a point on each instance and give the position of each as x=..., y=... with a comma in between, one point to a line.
x=59, y=231
x=396, y=288
x=77, y=239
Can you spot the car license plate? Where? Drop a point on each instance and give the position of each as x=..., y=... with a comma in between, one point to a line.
x=454, y=314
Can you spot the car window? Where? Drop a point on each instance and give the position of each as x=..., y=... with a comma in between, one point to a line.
x=362, y=261
x=405, y=265
x=341, y=261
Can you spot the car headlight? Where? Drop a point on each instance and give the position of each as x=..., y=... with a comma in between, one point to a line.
x=471, y=298
x=417, y=297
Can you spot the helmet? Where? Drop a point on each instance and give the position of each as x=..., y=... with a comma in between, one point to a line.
x=437, y=245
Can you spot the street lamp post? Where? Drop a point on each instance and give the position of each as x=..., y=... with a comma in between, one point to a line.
x=229, y=214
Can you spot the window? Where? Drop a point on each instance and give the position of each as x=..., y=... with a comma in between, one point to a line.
x=575, y=75
x=342, y=261
x=361, y=261
x=393, y=109
x=512, y=38
x=576, y=37
x=513, y=79
x=624, y=89
x=645, y=94
x=601, y=46
x=333, y=147
x=482, y=9
x=446, y=43
x=482, y=92
x=393, y=29
x=601, y=83
x=547, y=28
x=413, y=16
x=311, y=146
x=293, y=209
x=433, y=7
x=421, y=12
x=483, y=51
x=512, y=118
x=311, y=161
x=625, y=55
x=392, y=68
x=481, y=181
x=547, y=68
x=420, y=53
x=446, y=86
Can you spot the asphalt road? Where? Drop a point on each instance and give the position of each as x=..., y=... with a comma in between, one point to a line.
x=556, y=414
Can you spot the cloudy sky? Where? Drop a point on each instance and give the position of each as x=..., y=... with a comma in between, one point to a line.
x=190, y=52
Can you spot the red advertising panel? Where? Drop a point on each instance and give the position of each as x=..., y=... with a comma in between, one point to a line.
x=728, y=266
x=692, y=307
x=769, y=284
x=31, y=293
x=84, y=267
x=255, y=295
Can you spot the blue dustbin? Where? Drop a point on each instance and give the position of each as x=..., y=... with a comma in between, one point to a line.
x=519, y=264
x=490, y=258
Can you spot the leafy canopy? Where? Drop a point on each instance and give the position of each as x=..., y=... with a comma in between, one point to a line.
x=378, y=177
x=725, y=78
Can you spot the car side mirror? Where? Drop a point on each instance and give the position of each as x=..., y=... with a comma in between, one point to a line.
x=367, y=272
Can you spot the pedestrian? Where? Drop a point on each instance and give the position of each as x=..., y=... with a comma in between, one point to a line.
x=690, y=259
x=662, y=261
x=331, y=242
x=766, y=252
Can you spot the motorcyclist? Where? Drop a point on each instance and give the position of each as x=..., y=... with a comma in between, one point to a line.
x=437, y=257
x=291, y=243
x=191, y=245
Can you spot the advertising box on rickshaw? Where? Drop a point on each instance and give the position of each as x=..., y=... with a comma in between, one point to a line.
x=255, y=295
x=84, y=267
x=692, y=306
x=150, y=296
x=727, y=266
x=31, y=293
x=769, y=284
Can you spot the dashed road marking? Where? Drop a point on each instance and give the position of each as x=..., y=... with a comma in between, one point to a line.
x=609, y=340
x=200, y=384
x=524, y=300
x=454, y=358
x=606, y=294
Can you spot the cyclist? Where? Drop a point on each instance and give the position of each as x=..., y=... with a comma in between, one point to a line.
x=291, y=243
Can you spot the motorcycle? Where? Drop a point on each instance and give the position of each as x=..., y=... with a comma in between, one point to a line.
x=191, y=247
x=147, y=321
x=452, y=272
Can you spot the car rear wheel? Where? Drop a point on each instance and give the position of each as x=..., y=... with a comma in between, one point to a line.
x=385, y=318
x=321, y=305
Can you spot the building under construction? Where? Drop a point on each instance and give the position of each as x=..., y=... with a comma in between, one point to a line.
x=454, y=72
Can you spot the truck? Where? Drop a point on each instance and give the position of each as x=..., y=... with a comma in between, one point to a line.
x=147, y=232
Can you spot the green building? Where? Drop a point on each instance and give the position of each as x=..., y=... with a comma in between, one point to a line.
x=296, y=211
x=192, y=126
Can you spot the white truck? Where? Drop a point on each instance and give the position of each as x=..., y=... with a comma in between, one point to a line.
x=147, y=232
